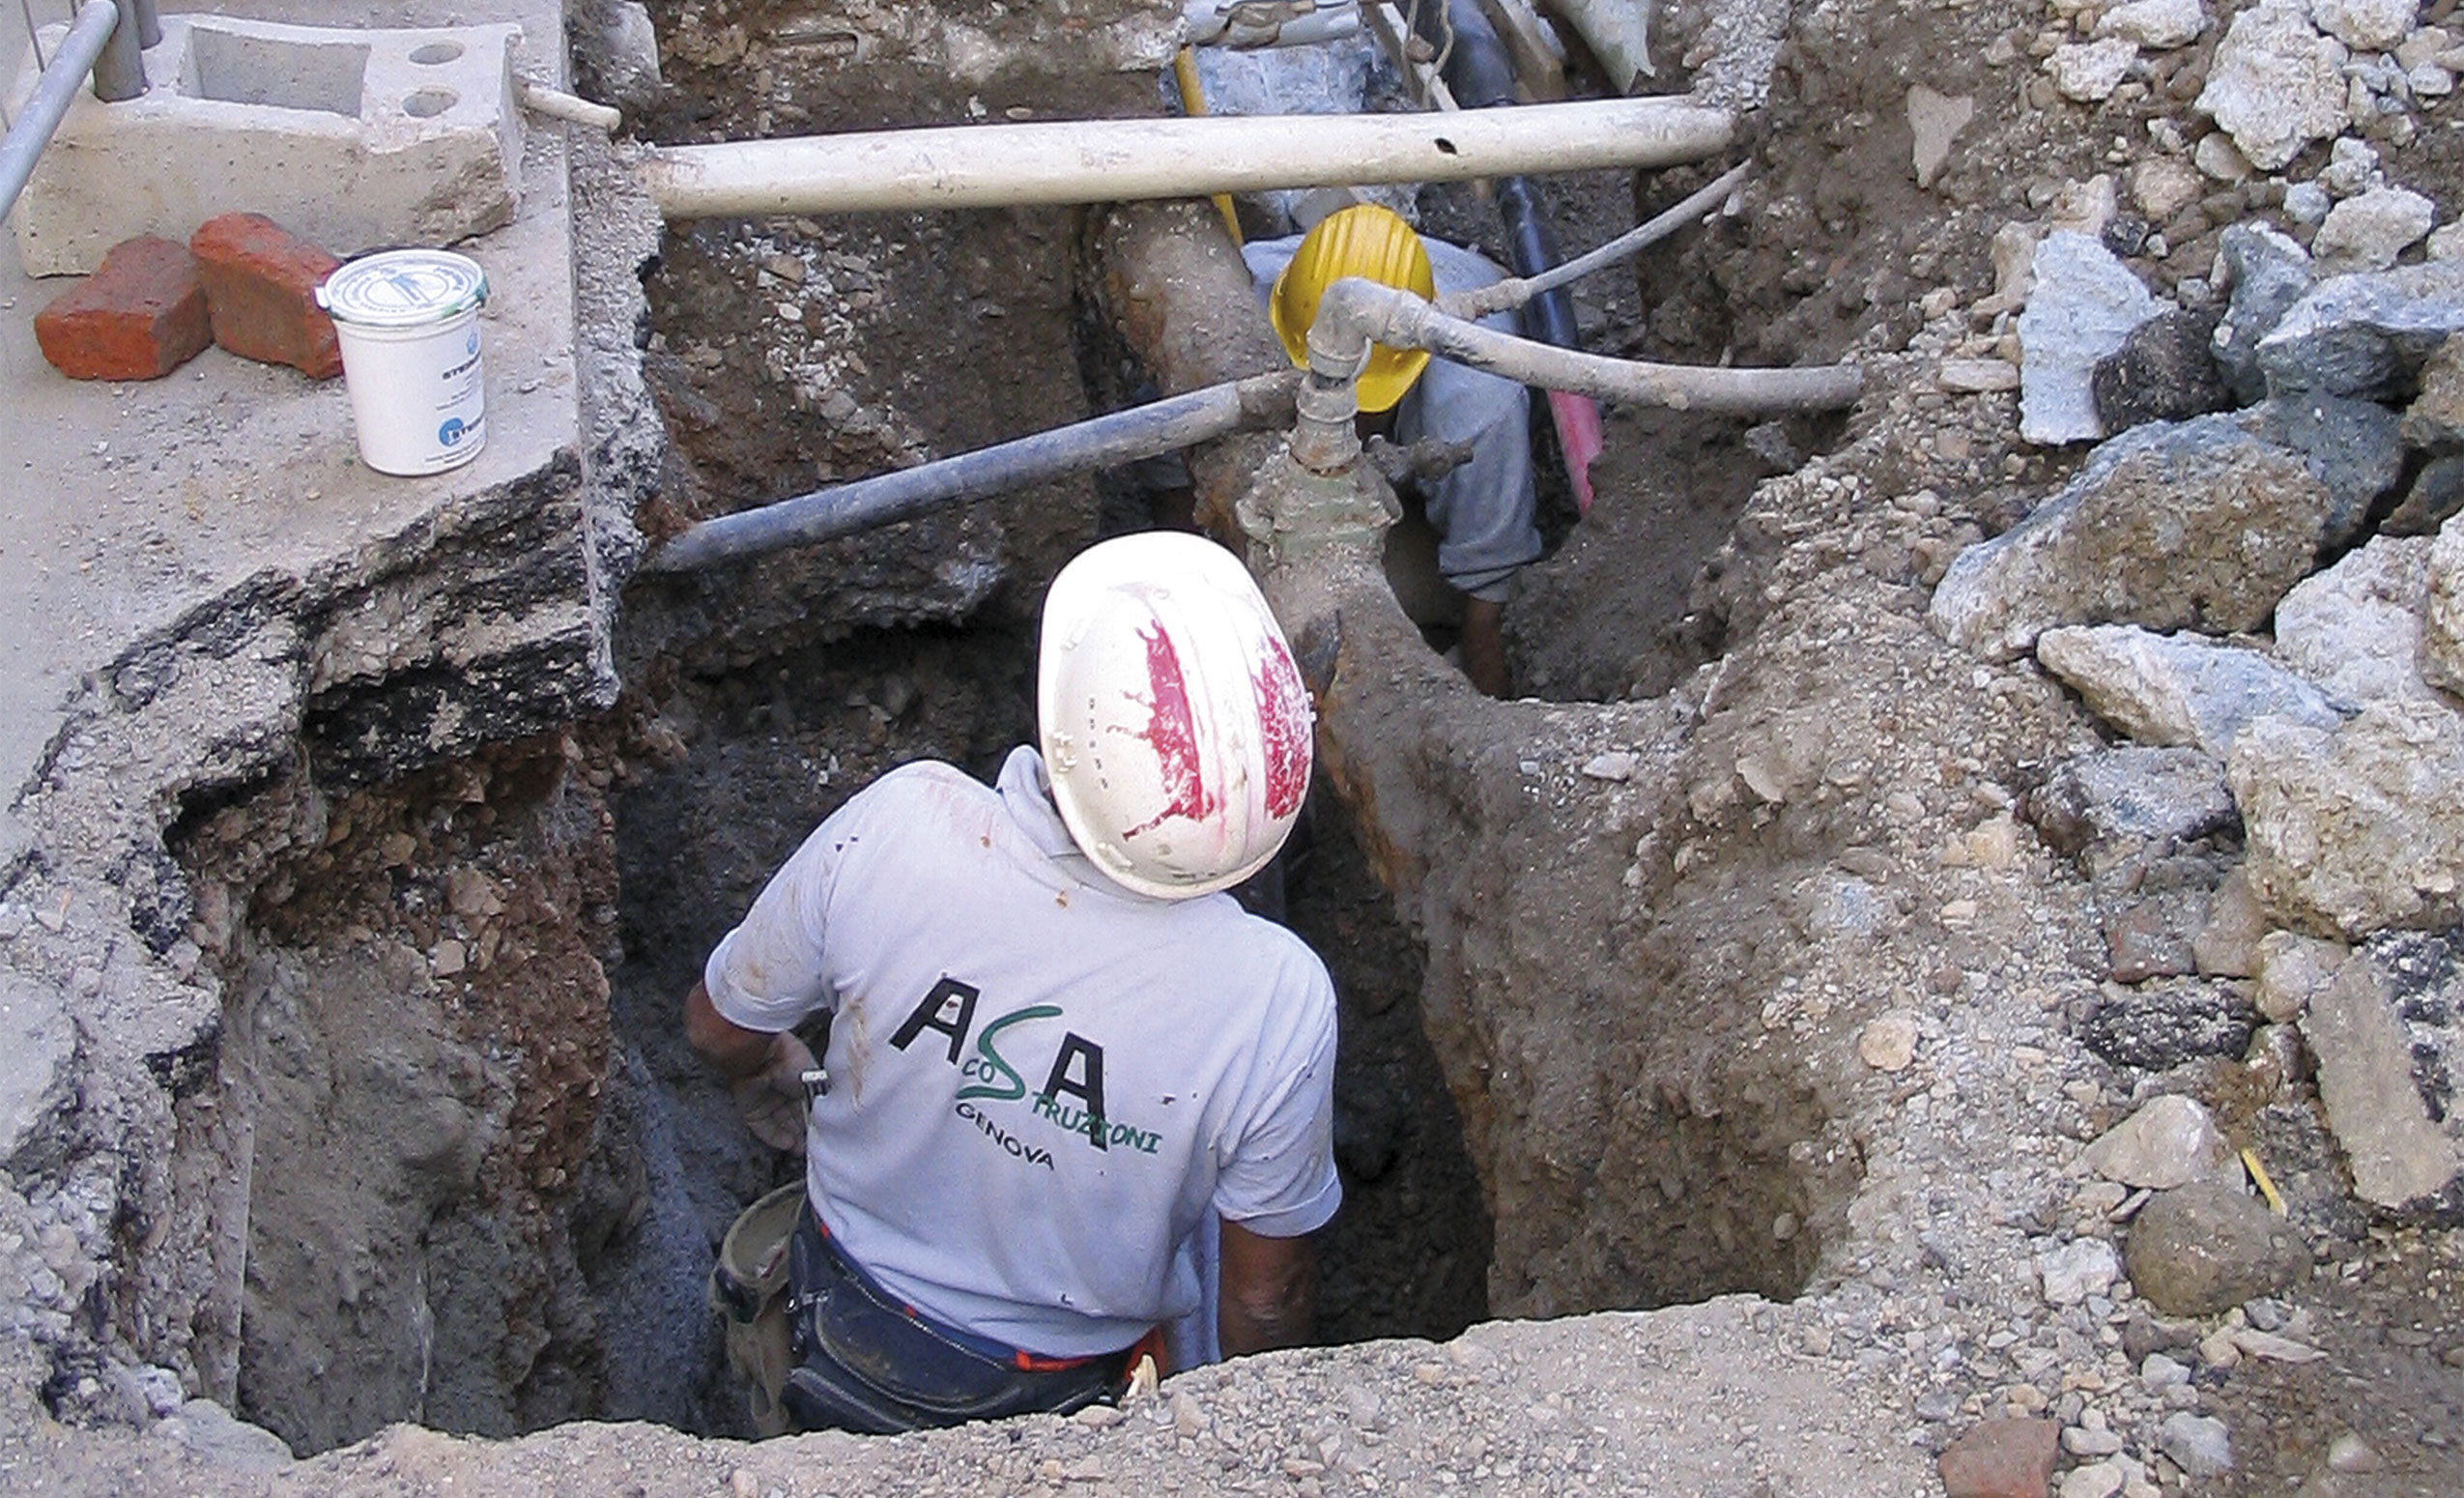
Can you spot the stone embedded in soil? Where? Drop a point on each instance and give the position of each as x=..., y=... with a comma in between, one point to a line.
x=2171, y=1142
x=2001, y=1459
x=261, y=282
x=1935, y=120
x=1977, y=376
x=2367, y=232
x=2275, y=84
x=2083, y=304
x=2389, y=1035
x=2089, y=71
x=2070, y=1274
x=1888, y=1041
x=2163, y=186
x=2358, y=828
x=2365, y=335
x=2198, y=1444
x=2365, y=25
x=2292, y=970
x=2163, y=371
x=2178, y=689
x=2192, y=525
x=2227, y=946
x=139, y=316
x=2130, y=796
x=2355, y=629
x=2204, y=1248
x=2096, y=1480
x=2159, y=25
x=2354, y=447
x=2161, y=1024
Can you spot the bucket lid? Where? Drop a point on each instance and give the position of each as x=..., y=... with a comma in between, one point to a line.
x=404, y=288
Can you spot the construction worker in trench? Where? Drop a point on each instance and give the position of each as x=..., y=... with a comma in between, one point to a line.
x=1076, y=1105
x=1483, y=511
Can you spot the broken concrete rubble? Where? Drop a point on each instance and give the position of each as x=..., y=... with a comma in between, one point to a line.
x=2391, y=1052
x=2350, y=830
x=2179, y=690
x=2193, y=524
x=2083, y=304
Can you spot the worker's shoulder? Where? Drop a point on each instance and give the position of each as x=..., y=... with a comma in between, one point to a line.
x=920, y=784
x=1257, y=948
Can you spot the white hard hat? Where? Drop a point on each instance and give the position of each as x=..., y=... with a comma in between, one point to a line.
x=1172, y=718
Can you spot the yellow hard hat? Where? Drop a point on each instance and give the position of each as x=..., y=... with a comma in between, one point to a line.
x=1367, y=241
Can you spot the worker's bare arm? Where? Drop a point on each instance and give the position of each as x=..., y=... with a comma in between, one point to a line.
x=765, y=1072
x=1270, y=1291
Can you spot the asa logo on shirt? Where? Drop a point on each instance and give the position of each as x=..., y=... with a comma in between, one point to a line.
x=1075, y=1072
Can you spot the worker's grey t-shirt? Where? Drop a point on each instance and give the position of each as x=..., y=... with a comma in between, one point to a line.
x=1039, y=1081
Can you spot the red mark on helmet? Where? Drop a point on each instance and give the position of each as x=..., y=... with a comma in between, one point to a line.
x=1172, y=731
x=1283, y=726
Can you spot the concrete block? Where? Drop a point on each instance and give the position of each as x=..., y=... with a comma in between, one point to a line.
x=139, y=317
x=261, y=282
x=351, y=138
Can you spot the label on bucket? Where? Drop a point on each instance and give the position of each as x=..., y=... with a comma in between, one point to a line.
x=403, y=288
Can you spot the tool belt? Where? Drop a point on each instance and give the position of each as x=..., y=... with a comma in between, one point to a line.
x=864, y=1362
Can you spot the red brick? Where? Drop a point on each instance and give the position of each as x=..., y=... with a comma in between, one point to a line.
x=2001, y=1459
x=261, y=282
x=139, y=317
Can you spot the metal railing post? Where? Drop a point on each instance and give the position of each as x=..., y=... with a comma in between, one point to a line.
x=149, y=24
x=120, y=72
x=53, y=92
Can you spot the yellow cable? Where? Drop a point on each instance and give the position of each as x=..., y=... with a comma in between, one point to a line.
x=2259, y=1174
x=1184, y=73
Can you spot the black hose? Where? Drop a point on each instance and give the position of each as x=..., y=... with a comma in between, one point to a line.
x=1481, y=76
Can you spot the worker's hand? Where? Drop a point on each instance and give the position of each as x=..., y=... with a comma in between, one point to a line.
x=771, y=1100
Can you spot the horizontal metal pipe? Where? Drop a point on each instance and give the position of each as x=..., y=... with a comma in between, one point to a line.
x=1355, y=311
x=1104, y=442
x=52, y=94
x=1125, y=160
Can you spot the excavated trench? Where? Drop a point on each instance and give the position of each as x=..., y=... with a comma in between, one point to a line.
x=480, y=1174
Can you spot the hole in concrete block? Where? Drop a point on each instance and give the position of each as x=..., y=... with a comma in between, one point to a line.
x=239, y=69
x=433, y=53
x=429, y=102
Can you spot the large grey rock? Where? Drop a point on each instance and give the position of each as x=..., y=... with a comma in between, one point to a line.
x=2268, y=272
x=2389, y=1035
x=2171, y=1142
x=2163, y=371
x=2192, y=525
x=2368, y=231
x=2354, y=447
x=2086, y=302
x=2365, y=25
x=2355, y=829
x=2442, y=658
x=2159, y=1025
x=2132, y=794
x=2365, y=334
x=2209, y=1246
x=2355, y=629
x=2275, y=84
x=2178, y=689
x=211, y=1432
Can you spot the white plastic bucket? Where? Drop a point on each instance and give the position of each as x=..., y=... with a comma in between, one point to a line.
x=408, y=323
